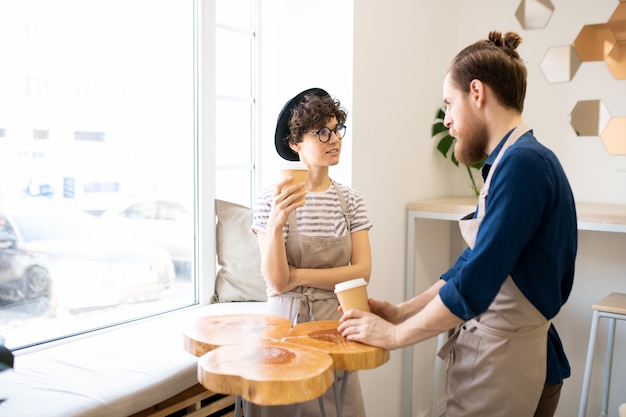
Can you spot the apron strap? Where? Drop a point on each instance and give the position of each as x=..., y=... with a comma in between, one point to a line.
x=344, y=206
x=293, y=225
x=309, y=295
x=518, y=132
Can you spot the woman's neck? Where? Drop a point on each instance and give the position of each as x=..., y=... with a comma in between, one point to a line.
x=318, y=180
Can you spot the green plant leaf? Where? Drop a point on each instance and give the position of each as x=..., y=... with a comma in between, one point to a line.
x=453, y=159
x=478, y=165
x=444, y=145
x=474, y=186
x=437, y=128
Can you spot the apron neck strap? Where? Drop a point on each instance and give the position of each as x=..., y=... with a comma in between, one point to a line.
x=293, y=225
x=517, y=133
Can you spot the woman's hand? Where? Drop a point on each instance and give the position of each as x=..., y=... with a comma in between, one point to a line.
x=287, y=197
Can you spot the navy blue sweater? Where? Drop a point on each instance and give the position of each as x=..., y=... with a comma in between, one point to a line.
x=529, y=231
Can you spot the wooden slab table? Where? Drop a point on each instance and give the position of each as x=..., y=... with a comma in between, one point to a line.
x=211, y=332
x=267, y=372
x=208, y=333
x=267, y=361
x=347, y=355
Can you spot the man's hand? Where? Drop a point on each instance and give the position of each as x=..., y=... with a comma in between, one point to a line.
x=368, y=328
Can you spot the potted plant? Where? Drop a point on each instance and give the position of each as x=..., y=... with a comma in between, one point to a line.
x=445, y=145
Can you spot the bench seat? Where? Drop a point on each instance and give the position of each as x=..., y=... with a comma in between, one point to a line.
x=117, y=372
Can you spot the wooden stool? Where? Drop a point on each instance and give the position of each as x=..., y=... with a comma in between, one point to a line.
x=612, y=307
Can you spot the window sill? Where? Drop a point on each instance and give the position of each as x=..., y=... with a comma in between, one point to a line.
x=117, y=373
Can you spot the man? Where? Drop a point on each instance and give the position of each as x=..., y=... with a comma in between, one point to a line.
x=506, y=359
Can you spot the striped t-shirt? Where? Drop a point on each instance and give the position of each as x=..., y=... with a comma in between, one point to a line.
x=321, y=215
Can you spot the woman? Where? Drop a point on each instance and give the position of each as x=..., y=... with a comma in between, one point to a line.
x=307, y=246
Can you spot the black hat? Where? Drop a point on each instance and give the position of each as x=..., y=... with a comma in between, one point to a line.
x=282, y=124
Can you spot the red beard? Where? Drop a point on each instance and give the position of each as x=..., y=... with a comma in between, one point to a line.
x=471, y=148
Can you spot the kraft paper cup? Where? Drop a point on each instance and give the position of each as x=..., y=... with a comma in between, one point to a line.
x=353, y=294
x=297, y=170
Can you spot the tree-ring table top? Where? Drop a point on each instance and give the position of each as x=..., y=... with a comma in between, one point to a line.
x=267, y=372
x=211, y=332
x=346, y=354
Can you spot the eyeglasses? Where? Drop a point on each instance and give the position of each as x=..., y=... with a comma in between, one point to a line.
x=324, y=133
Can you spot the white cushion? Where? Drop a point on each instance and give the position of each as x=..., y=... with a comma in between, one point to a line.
x=239, y=277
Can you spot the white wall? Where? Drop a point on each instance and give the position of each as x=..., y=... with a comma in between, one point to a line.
x=401, y=50
x=303, y=44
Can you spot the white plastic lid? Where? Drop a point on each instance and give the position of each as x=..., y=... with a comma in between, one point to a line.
x=299, y=165
x=353, y=283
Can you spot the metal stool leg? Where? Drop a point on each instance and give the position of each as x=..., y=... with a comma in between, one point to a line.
x=320, y=401
x=608, y=362
x=344, y=384
x=237, y=406
x=340, y=392
x=587, y=377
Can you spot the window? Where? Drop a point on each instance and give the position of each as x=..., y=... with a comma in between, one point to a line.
x=97, y=116
x=99, y=126
x=235, y=119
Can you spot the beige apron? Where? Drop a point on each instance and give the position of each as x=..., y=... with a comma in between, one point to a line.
x=305, y=304
x=497, y=361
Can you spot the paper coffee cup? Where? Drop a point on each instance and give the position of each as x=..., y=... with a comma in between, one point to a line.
x=297, y=170
x=353, y=294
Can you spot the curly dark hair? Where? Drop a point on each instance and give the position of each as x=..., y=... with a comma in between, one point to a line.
x=495, y=62
x=312, y=113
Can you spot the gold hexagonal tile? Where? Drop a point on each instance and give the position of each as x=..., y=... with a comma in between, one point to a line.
x=594, y=42
x=616, y=60
x=534, y=14
x=560, y=64
x=614, y=136
x=617, y=22
x=589, y=117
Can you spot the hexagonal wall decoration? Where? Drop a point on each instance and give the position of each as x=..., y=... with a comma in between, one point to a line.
x=534, y=14
x=560, y=64
x=598, y=42
x=594, y=42
x=617, y=22
x=614, y=136
x=616, y=60
x=589, y=117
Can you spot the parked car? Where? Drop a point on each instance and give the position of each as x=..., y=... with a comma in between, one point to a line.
x=163, y=222
x=67, y=256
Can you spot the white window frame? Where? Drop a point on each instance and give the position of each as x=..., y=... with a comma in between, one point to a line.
x=206, y=165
